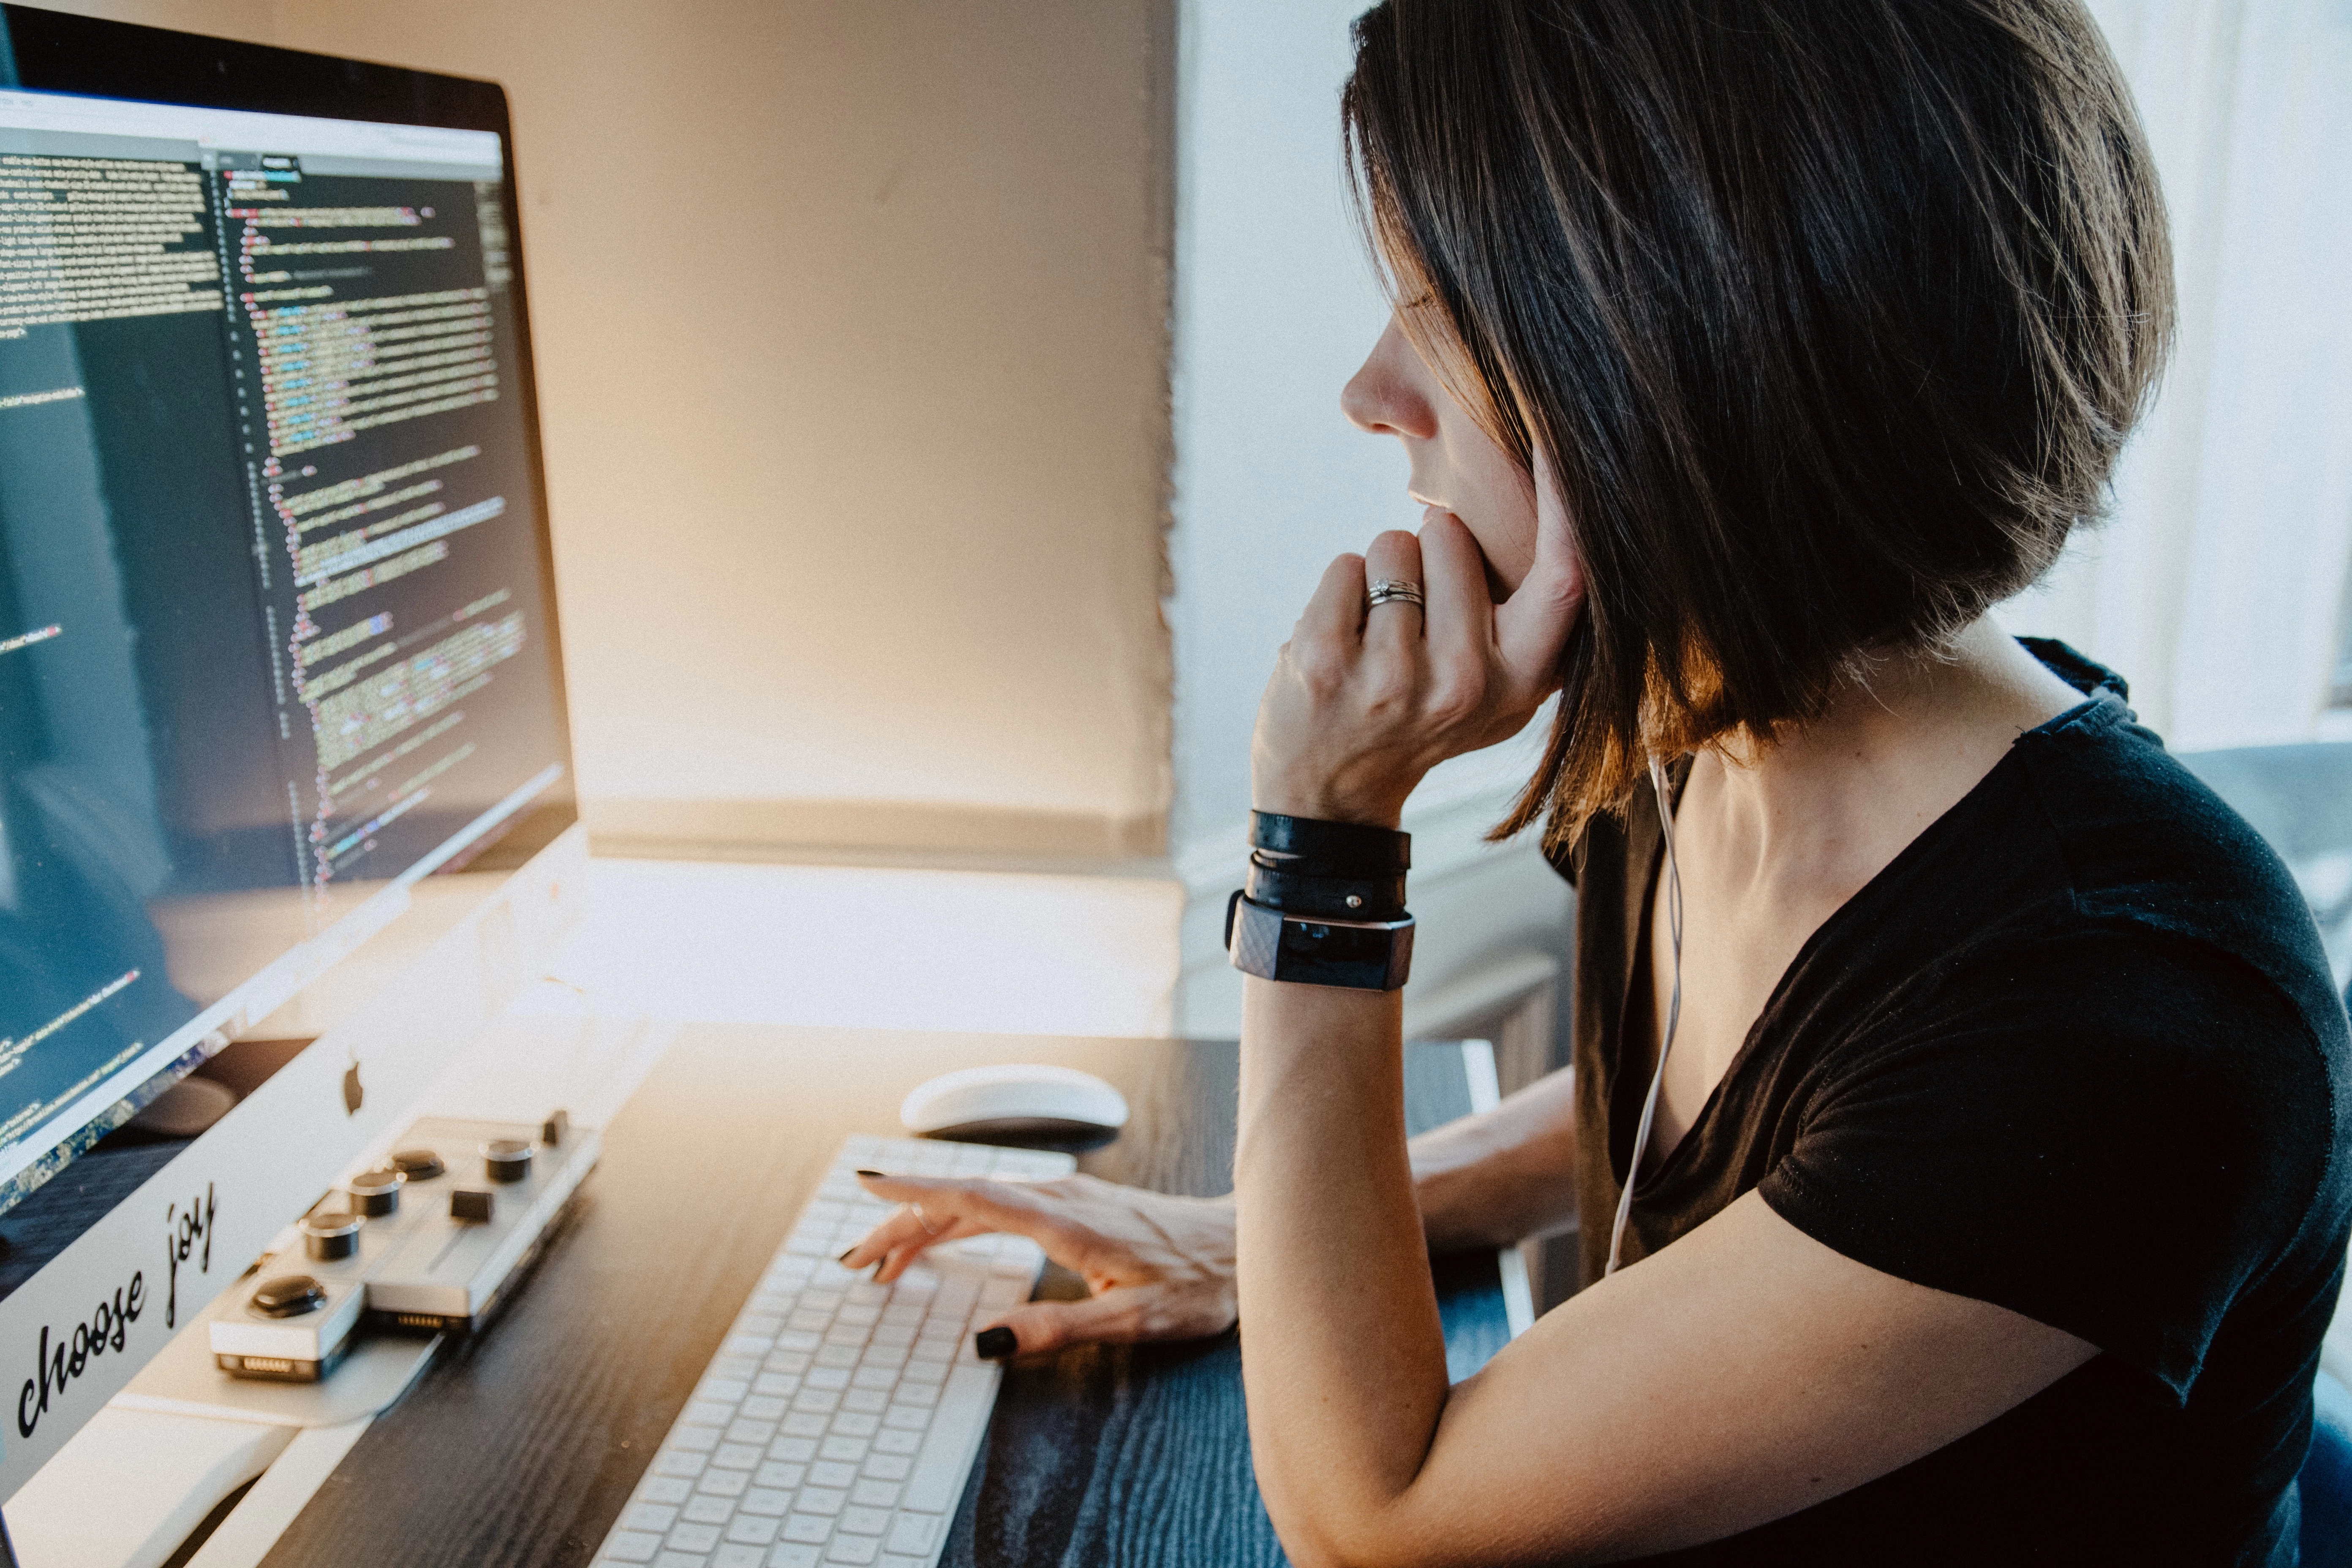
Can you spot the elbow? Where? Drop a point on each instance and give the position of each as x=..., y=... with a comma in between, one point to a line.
x=1362, y=1538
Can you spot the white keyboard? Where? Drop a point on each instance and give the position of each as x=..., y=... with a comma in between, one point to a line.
x=840, y=1419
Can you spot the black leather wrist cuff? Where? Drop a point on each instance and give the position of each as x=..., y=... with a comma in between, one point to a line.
x=1340, y=897
x=1304, y=846
x=1362, y=955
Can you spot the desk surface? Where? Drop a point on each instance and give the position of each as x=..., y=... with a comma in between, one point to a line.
x=519, y=1446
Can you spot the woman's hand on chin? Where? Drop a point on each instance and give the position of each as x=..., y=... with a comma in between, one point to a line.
x=1159, y=1268
x=1364, y=701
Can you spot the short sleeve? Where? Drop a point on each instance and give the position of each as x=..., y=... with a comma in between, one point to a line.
x=2114, y=1132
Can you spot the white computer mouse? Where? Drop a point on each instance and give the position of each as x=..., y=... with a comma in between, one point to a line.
x=1021, y=1100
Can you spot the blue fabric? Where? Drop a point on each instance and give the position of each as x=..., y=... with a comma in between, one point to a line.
x=2326, y=1479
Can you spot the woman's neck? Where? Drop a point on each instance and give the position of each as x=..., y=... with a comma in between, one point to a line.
x=1831, y=802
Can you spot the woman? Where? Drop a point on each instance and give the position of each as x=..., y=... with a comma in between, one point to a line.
x=1993, y=1188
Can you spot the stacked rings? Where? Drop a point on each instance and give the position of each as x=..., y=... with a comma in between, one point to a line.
x=1393, y=591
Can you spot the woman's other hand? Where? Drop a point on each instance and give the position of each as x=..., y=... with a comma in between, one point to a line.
x=1159, y=1267
x=1364, y=703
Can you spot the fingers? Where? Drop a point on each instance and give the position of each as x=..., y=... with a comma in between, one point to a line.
x=953, y=1209
x=1337, y=610
x=1393, y=627
x=1461, y=613
x=1532, y=625
x=1116, y=1317
x=1124, y=1315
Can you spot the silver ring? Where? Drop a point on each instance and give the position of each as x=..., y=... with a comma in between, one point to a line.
x=917, y=1210
x=1393, y=591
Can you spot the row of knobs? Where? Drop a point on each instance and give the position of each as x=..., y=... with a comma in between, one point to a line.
x=331, y=1234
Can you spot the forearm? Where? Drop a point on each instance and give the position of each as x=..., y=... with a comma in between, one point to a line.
x=1346, y=1370
x=1491, y=1179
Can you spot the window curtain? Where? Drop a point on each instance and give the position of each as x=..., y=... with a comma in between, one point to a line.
x=2218, y=583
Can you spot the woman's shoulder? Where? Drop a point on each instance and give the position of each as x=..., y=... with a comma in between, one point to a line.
x=2149, y=854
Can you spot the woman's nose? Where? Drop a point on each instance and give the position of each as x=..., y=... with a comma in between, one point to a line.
x=1384, y=396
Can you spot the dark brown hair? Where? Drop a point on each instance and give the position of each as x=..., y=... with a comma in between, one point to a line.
x=1831, y=315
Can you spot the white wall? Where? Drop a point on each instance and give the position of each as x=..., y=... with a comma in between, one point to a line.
x=2218, y=587
x=851, y=325
x=1275, y=306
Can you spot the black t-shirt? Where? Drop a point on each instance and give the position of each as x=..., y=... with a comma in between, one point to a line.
x=2074, y=1052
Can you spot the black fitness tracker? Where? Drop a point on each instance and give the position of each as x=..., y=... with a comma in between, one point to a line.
x=1324, y=904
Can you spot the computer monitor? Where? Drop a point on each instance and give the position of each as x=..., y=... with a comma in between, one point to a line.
x=278, y=645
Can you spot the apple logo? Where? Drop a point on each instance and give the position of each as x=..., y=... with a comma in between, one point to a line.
x=353, y=1095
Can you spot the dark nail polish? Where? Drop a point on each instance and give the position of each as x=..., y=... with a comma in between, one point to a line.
x=883, y=1176
x=845, y=1254
x=995, y=1344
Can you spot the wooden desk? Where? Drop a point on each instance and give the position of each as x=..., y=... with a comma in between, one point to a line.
x=519, y=1448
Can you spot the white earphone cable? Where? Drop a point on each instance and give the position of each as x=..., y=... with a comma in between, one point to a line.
x=1674, y=1017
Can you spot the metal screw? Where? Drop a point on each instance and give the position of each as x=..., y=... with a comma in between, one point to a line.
x=1354, y=902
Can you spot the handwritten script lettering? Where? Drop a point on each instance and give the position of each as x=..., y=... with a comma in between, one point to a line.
x=180, y=1233
x=67, y=1356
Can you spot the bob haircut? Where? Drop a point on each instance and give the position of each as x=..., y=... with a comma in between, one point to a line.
x=1831, y=316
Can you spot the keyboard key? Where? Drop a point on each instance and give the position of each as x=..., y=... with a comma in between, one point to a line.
x=940, y=1472
x=631, y=1546
x=871, y=1401
x=682, y=1560
x=722, y=1483
x=888, y=1467
x=695, y=1439
x=834, y=1378
x=856, y=1424
x=875, y=1494
x=854, y=1549
x=664, y=1488
x=791, y=1554
x=764, y=1407
x=722, y=1390
x=793, y=1450
x=753, y=1529
x=694, y=1537
x=807, y=1527
x=898, y=1441
x=730, y=1555
x=802, y=1424
x=760, y=1433
x=848, y=1450
x=777, y=1476
x=648, y=1516
x=915, y=1533
x=737, y=1455
x=709, y=1510
x=863, y=1520
x=679, y=1463
x=822, y=1499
